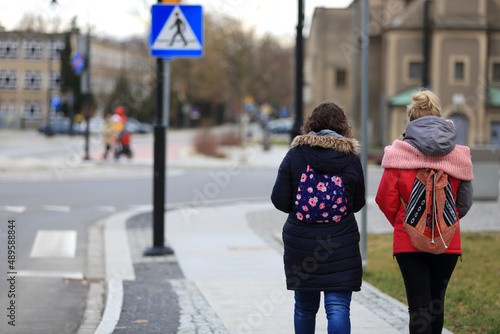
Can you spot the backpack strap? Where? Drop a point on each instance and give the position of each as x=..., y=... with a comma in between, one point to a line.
x=299, y=149
x=403, y=203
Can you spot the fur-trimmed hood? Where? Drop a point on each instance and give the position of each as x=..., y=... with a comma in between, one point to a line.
x=331, y=153
x=342, y=144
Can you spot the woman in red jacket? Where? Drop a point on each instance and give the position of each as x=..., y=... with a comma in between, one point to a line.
x=429, y=142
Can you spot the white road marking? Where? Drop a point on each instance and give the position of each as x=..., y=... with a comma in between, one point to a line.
x=54, y=243
x=141, y=207
x=12, y=208
x=50, y=274
x=173, y=172
x=58, y=208
x=67, y=209
x=106, y=208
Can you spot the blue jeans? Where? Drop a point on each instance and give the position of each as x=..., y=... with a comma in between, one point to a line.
x=336, y=307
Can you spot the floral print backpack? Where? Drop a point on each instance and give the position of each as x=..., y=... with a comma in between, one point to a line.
x=320, y=197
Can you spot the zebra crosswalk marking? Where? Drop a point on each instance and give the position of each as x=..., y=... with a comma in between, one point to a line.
x=58, y=208
x=54, y=243
x=14, y=208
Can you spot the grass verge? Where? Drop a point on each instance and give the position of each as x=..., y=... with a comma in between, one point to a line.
x=473, y=295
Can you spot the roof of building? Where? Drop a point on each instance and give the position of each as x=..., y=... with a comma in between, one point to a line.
x=493, y=97
x=16, y=35
x=412, y=18
x=404, y=98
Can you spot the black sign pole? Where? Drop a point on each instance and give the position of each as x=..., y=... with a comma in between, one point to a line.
x=88, y=97
x=160, y=144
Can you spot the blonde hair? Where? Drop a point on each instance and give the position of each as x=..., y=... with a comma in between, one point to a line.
x=425, y=103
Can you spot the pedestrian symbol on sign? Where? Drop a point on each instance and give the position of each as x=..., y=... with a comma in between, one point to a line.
x=177, y=25
x=181, y=26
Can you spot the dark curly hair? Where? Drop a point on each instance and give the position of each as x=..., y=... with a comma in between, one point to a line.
x=328, y=115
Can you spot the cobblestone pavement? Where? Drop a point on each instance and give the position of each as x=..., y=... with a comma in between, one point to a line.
x=150, y=304
x=161, y=300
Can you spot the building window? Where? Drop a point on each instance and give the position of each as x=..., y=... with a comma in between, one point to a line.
x=496, y=72
x=33, y=50
x=55, y=80
x=32, y=80
x=9, y=49
x=8, y=80
x=7, y=107
x=32, y=110
x=55, y=49
x=415, y=70
x=341, y=78
x=459, y=70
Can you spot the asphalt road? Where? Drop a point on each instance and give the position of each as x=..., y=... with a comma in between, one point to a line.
x=46, y=301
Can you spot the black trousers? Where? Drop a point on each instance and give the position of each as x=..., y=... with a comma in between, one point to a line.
x=426, y=277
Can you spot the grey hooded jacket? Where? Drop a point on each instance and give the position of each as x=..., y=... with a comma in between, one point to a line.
x=436, y=137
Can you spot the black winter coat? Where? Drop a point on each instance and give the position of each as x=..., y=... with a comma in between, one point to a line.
x=321, y=256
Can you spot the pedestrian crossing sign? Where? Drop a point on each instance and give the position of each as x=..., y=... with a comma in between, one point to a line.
x=176, y=31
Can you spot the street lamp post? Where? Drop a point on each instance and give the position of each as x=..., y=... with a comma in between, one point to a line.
x=88, y=98
x=299, y=72
x=425, y=45
x=53, y=5
x=365, y=49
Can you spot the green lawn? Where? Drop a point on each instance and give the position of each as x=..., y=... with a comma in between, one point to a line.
x=473, y=296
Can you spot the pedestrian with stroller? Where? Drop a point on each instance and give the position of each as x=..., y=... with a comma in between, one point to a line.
x=425, y=163
x=108, y=135
x=320, y=184
x=124, y=137
x=123, y=144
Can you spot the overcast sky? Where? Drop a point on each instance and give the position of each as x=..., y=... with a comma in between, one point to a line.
x=123, y=18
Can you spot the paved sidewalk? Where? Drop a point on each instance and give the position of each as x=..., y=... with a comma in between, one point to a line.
x=226, y=277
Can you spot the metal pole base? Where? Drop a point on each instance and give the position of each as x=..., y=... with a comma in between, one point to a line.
x=158, y=251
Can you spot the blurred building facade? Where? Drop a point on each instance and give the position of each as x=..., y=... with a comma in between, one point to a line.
x=30, y=73
x=463, y=64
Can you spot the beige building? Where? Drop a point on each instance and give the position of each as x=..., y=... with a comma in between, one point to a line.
x=30, y=73
x=464, y=64
x=110, y=58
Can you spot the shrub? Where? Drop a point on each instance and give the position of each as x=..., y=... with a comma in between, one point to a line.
x=229, y=138
x=206, y=143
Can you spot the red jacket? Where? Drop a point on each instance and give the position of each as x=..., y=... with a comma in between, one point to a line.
x=429, y=143
x=398, y=183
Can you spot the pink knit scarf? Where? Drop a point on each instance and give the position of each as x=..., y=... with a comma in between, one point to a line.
x=402, y=155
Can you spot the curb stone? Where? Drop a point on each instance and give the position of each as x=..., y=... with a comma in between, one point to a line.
x=95, y=275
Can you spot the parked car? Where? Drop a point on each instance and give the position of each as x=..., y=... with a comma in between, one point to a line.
x=59, y=126
x=134, y=126
x=283, y=125
x=95, y=125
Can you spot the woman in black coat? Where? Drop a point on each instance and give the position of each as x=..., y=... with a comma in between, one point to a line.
x=321, y=255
